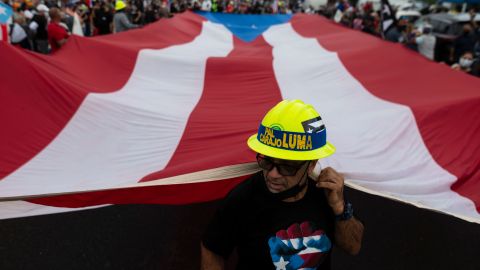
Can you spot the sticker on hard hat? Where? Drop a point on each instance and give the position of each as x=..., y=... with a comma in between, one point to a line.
x=313, y=125
x=294, y=141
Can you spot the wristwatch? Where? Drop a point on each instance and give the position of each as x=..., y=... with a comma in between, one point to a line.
x=347, y=212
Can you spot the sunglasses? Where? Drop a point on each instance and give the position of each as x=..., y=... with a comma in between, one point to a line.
x=267, y=163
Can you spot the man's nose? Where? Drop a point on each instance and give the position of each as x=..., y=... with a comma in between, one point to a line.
x=273, y=173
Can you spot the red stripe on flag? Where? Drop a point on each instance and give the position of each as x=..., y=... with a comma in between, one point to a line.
x=168, y=194
x=214, y=125
x=43, y=102
x=445, y=103
x=4, y=31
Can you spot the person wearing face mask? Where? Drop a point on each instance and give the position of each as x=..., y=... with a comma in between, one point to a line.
x=463, y=43
x=283, y=217
x=468, y=64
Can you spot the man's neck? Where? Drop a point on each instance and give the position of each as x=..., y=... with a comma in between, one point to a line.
x=299, y=195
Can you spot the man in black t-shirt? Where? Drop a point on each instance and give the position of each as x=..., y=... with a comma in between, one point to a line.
x=38, y=25
x=103, y=19
x=280, y=218
x=463, y=43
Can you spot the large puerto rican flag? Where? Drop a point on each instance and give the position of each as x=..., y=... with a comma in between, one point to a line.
x=162, y=114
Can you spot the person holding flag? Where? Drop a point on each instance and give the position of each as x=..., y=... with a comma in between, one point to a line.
x=57, y=34
x=283, y=217
x=38, y=26
x=391, y=29
x=120, y=20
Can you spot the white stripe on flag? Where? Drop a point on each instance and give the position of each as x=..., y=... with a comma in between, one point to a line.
x=371, y=135
x=116, y=139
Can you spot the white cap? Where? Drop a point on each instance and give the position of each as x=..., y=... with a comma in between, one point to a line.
x=42, y=7
x=28, y=14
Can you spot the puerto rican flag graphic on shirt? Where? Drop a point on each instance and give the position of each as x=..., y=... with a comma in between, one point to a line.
x=299, y=247
x=161, y=114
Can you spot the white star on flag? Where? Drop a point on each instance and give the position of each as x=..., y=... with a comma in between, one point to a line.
x=3, y=10
x=281, y=264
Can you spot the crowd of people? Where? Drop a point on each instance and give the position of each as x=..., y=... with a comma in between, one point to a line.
x=44, y=25
x=463, y=53
x=91, y=17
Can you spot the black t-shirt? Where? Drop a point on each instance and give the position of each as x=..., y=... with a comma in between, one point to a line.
x=103, y=19
x=41, y=32
x=267, y=232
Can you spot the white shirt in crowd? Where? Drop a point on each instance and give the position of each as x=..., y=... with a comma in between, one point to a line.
x=426, y=45
x=77, y=25
x=18, y=33
x=206, y=5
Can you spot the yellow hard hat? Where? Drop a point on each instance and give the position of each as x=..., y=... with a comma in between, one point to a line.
x=292, y=130
x=119, y=5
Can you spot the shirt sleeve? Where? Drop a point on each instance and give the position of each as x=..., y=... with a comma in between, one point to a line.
x=126, y=23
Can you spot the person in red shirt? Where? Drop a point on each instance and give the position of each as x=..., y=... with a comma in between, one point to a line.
x=57, y=34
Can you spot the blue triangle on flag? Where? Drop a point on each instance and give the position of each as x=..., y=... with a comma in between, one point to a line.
x=247, y=27
x=5, y=12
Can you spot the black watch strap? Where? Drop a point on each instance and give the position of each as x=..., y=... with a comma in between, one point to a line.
x=347, y=212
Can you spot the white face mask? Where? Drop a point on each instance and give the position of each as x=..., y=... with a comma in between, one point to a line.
x=465, y=63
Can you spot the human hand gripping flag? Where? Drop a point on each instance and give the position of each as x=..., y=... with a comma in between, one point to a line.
x=298, y=247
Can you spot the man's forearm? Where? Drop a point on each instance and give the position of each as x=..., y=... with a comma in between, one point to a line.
x=349, y=234
x=61, y=42
x=210, y=260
